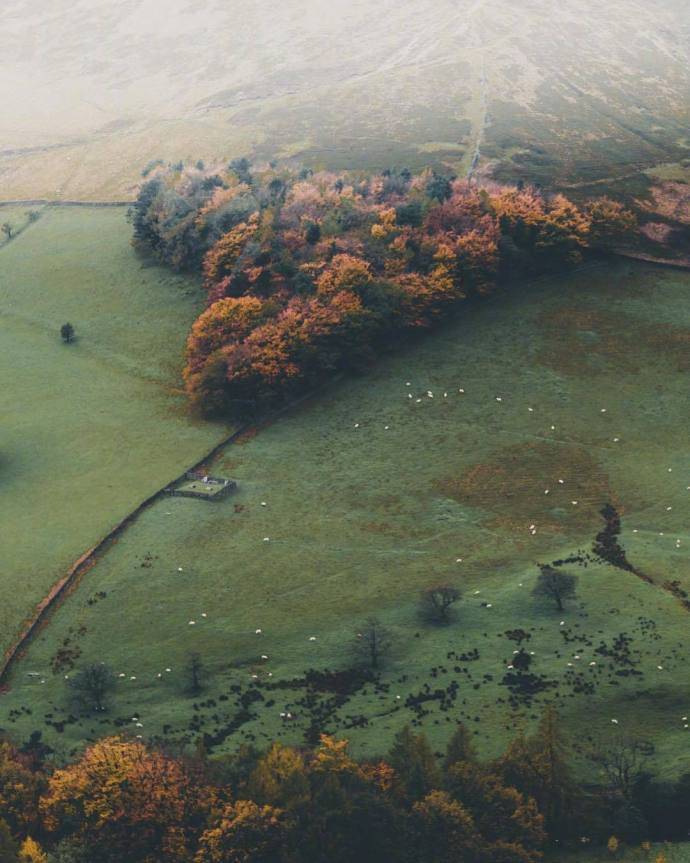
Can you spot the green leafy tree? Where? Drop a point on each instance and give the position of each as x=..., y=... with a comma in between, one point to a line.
x=435, y=602
x=460, y=748
x=242, y=170
x=538, y=767
x=414, y=763
x=68, y=851
x=9, y=850
x=313, y=233
x=91, y=686
x=350, y=814
x=67, y=333
x=194, y=671
x=410, y=213
x=280, y=778
x=235, y=769
x=20, y=789
x=556, y=585
x=439, y=187
x=508, y=822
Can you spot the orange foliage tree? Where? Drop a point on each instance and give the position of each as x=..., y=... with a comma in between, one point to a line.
x=343, y=264
x=227, y=321
x=610, y=223
x=344, y=273
x=124, y=802
x=222, y=259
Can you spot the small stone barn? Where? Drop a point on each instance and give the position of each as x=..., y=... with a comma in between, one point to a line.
x=203, y=486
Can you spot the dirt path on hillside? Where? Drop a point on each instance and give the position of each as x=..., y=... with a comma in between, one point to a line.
x=482, y=107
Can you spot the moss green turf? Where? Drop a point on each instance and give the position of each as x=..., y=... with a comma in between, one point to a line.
x=356, y=501
x=88, y=430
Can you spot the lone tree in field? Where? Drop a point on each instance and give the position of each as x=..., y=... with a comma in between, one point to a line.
x=91, y=686
x=557, y=585
x=435, y=602
x=195, y=673
x=373, y=642
x=8, y=230
x=67, y=333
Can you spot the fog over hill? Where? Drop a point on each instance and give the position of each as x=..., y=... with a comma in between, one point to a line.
x=93, y=89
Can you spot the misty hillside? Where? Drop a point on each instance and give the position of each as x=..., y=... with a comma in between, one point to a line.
x=340, y=84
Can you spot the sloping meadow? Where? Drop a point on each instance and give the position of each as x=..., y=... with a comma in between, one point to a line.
x=466, y=459
x=92, y=428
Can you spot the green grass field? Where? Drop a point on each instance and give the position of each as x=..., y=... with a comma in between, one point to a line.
x=90, y=429
x=352, y=504
x=672, y=853
x=17, y=216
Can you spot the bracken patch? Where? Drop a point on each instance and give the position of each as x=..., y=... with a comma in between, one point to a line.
x=515, y=480
x=587, y=341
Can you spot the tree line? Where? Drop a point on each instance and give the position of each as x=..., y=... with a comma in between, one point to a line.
x=308, y=274
x=123, y=800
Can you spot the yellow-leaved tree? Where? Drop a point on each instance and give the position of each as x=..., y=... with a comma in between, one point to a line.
x=31, y=852
x=122, y=801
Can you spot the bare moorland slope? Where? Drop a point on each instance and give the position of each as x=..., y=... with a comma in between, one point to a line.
x=93, y=89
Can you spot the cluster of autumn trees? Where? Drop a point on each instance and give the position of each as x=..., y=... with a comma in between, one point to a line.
x=310, y=274
x=124, y=801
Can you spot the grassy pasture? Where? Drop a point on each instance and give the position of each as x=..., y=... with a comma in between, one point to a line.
x=673, y=853
x=92, y=428
x=18, y=217
x=355, y=502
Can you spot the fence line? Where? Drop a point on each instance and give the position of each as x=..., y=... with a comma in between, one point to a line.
x=45, y=202
x=90, y=557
